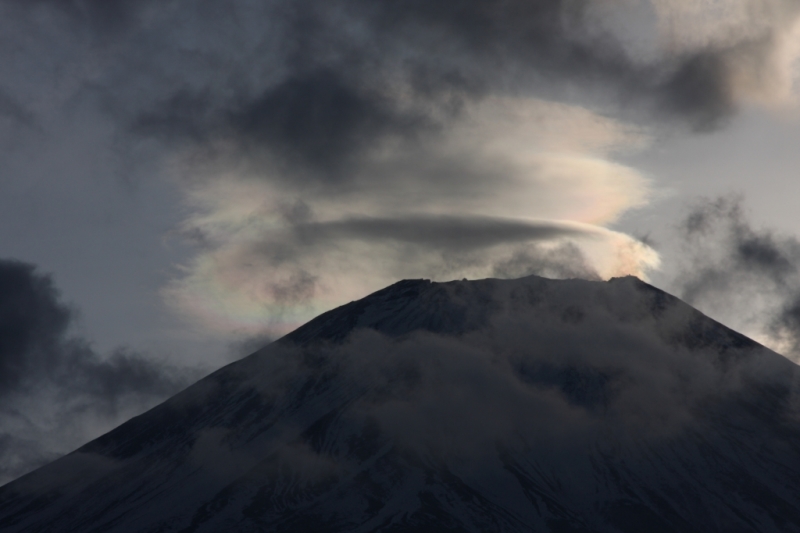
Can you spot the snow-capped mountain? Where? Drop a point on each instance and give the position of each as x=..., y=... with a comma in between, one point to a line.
x=523, y=405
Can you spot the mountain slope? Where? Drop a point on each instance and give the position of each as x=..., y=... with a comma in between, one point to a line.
x=522, y=405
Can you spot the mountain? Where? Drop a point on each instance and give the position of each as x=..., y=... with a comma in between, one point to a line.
x=493, y=405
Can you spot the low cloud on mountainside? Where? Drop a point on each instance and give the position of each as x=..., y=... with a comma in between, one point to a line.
x=55, y=390
x=565, y=375
x=475, y=404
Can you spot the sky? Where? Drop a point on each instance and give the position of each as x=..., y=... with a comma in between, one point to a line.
x=183, y=181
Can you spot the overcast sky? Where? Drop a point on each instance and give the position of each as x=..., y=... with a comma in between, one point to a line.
x=183, y=180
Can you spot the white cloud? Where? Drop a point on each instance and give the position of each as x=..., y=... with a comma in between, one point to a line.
x=271, y=253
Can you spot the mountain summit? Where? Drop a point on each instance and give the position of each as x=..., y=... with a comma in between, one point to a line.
x=493, y=405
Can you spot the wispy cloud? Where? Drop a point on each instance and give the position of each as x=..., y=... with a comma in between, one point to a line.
x=747, y=276
x=56, y=390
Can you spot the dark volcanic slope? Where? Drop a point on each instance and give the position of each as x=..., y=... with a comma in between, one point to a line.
x=524, y=405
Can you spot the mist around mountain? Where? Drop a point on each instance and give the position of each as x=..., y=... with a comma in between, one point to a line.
x=491, y=405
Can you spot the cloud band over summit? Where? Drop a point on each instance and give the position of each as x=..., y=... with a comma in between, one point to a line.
x=441, y=232
x=463, y=113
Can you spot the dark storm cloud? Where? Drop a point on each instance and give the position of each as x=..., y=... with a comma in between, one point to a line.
x=343, y=76
x=36, y=346
x=318, y=120
x=13, y=110
x=737, y=266
x=103, y=18
x=455, y=233
x=549, y=38
x=32, y=324
x=39, y=357
x=700, y=90
x=310, y=91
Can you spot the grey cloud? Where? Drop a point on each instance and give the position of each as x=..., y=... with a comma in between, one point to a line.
x=41, y=358
x=317, y=119
x=448, y=235
x=299, y=287
x=183, y=115
x=32, y=324
x=736, y=268
x=561, y=262
x=19, y=455
x=441, y=232
x=332, y=91
x=13, y=110
x=36, y=345
x=109, y=381
x=449, y=242
x=744, y=249
x=103, y=18
x=316, y=86
x=700, y=90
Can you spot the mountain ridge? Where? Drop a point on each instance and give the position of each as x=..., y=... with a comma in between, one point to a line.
x=489, y=405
